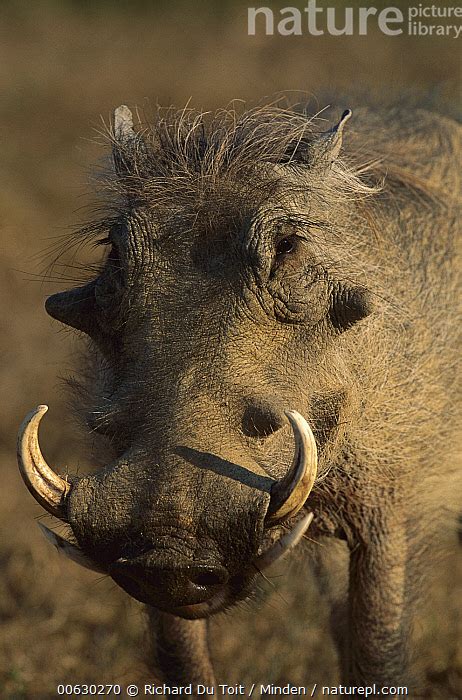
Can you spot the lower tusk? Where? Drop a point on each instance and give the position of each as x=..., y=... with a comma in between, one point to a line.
x=70, y=550
x=47, y=487
x=284, y=544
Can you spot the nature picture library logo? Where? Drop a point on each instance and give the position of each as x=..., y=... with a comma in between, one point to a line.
x=317, y=19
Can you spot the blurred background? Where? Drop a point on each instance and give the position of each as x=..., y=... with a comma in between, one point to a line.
x=64, y=66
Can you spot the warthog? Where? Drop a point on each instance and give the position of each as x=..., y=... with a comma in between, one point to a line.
x=273, y=340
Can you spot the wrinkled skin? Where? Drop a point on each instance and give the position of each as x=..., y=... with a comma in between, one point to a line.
x=206, y=411
x=215, y=313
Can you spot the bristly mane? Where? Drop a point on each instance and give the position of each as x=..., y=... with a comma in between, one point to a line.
x=183, y=160
x=188, y=154
x=188, y=161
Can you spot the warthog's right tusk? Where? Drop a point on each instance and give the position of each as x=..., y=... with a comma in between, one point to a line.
x=47, y=487
x=284, y=544
x=288, y=495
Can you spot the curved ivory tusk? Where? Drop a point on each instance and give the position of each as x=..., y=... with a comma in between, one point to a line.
x=289, y=494
x=49, y=489
x=284, y=544
x=70, y=550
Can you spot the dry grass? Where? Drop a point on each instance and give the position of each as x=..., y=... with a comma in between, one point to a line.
x=60, y=69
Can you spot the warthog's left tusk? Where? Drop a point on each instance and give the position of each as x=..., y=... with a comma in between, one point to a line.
x=47, y=487
x=284, y=544
x=70, y=550
x=288, y=495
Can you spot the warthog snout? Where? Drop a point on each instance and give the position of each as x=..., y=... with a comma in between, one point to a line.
x=173, y=584
x=174, y=562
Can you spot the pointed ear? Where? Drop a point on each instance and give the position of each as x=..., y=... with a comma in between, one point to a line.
x=321, y=150
x=124, y=144
x=329, y=144
x=349, y=305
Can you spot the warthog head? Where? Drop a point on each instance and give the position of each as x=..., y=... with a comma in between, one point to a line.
x=210, y=323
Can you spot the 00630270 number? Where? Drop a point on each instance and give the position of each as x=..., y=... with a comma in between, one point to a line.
x=85, y=689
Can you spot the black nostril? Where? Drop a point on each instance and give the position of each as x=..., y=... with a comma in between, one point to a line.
x=208, y=576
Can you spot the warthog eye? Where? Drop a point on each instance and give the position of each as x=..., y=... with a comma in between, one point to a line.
x=286, y=245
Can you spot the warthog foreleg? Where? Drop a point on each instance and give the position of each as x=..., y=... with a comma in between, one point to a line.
x=379, y=613
x=180, y=649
